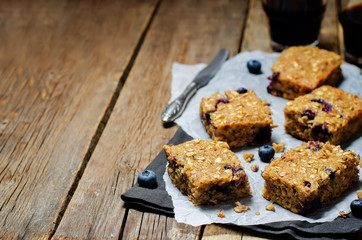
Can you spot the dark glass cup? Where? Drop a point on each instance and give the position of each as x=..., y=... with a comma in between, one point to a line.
x=350, y=17
x=294, y=22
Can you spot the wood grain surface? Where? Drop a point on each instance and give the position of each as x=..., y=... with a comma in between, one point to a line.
x=183, y=31
x=83, y=84
x=60, y=64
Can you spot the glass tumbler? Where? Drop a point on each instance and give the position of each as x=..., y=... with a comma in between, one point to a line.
x=294, y=22
x=350, y=17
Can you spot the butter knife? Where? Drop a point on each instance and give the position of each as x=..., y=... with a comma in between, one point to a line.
x=177, y=106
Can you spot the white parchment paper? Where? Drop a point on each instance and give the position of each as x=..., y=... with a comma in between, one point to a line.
x=233, y=75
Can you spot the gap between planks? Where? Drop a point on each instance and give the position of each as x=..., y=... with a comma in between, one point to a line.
x=244, y=25
x=101, y=126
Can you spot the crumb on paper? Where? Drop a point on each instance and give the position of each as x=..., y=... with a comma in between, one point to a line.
x=279, y=147
x=274, y=126
x=254, y=167
x=343, y=214
x=221, y=214
x=359, y=194
x=249, y=156
x=270, y=207
x=257, y=213
x=240, y=207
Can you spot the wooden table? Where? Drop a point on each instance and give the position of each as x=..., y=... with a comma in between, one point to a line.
x=83, y=84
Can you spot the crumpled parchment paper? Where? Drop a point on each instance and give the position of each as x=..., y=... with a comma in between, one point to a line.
x=233, y=75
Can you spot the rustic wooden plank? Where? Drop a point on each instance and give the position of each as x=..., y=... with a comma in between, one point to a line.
x=222, y=232
x=328, y=36
x=184, y=31
x=141, y=225
x=177, y=230
x=254, y=236
x=256, y=33
x=60, y=63
x=216, y=231
x=340, y=35
x=153, y=225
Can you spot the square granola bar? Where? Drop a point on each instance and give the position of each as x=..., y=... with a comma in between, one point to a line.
x=299, y=70
x=309, y=176
x=206, y=171
x=241, y=119
x=326, y=114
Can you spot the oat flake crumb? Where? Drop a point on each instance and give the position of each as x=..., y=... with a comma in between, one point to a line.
x=343, y=214
x=249, y=156
x=221, y=214
x=359, y=194
x=270, y=207
x=240, y=207
x=257, y=213
x=279, y=147
x=254, y=167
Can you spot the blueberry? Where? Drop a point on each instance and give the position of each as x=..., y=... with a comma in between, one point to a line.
x=208, y=117
x=309, y=113
x=273, y=80
x=242, y=90
x=147, y=179
x=330, y=173
x=254, y=66
x=274, y=77
x=266, y=153
x=326, y=106
x=356, y=207
x=233, y=169
x=321, y=132
x=307, y=184
x=221, y=100
x=315, y=146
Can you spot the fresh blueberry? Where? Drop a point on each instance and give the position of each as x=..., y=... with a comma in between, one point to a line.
x=356, y=207
x=147, y=179
x=254, y=66
x=266, y=153
x=242, y=90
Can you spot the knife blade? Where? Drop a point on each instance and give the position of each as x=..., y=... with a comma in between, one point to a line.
x=177, y=106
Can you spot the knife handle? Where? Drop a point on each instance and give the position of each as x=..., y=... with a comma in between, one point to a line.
x=177, y=106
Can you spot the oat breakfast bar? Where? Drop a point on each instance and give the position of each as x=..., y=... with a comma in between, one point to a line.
x=326, y=114
x=206, y=171
x=309, y=176
x=299, y=70
x=240, y=118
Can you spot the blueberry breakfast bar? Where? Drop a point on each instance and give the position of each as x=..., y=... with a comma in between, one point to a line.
x=206, y=171
x=309, y=176
x=299, y=70
x=240, y=118
x=326, y=114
